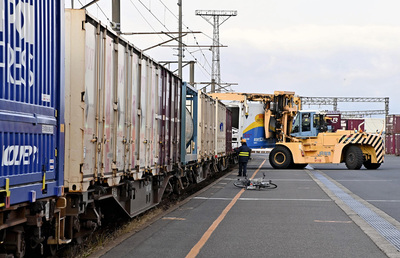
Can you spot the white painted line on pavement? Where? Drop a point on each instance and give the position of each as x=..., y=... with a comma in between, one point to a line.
x=261, y=199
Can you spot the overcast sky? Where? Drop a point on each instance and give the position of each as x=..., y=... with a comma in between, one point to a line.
x=315, y=48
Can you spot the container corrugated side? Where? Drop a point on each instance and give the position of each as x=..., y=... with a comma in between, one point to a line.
x=206, y=126
x=392, y=124
x=31, y=99
x=390, y=144
x=396, y=144
x=228, y=131
x=169, y=95
x=220, y=129
x=123, y=108
x=355, y=124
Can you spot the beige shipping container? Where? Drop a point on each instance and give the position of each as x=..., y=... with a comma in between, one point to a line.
x=112, y=106
x=206, y=127
x=220, y=129
x=211, y=128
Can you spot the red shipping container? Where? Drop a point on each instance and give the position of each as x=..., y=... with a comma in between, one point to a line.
x=335, y=121
x=354, y=124
x=389, y=124
x=396, y=144
x=396, y=124
x=393, y=124
x=389, y=143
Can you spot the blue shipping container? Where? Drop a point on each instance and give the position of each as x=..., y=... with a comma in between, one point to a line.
x=31, y=100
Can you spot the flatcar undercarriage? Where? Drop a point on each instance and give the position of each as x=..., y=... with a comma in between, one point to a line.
x=41, y=227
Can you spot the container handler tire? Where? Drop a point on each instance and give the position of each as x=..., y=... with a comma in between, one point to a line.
x=299, y=166
x=280, y=158
x=369, y=165
x=354, y=158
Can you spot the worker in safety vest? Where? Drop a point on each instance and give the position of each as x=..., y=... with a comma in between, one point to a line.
x=244, y=154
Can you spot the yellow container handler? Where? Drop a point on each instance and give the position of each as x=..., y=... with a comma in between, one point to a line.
x=311, y=141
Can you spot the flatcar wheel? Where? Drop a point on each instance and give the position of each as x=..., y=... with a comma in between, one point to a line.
x=15, y=241
x=50, y=250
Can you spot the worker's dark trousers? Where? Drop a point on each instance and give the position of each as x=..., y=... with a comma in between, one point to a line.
x=243, y=167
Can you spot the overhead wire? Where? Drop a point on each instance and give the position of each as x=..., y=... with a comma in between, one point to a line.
x=163, y=24
x=144, y=17
x=149, y=10
x=98, y=6
x=194, y=37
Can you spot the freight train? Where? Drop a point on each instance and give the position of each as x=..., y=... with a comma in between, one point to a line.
x=89, y=125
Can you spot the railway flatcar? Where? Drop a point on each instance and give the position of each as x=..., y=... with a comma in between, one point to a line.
x=89, y=125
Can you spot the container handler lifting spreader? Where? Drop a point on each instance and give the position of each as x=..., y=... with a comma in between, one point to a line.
x=279, y=109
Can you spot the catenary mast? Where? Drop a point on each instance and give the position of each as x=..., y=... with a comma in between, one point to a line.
x=216, y=19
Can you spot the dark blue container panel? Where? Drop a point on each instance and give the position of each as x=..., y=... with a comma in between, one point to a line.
x=31, y=100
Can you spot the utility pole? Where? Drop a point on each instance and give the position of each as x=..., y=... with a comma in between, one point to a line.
x=116, y=16
x=215, y=15
x=180, y=48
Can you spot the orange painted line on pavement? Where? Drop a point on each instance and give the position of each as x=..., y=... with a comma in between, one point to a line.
x=203, y=240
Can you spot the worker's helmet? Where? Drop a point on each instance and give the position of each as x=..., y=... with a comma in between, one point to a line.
x=243, y=140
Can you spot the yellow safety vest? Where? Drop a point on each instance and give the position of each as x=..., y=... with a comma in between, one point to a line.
x=244, y=153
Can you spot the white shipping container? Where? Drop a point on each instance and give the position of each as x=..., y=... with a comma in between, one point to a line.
x=373, y=125
x=206, y=126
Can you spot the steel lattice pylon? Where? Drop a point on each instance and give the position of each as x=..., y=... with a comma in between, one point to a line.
x=215, y=15
x=334, y=102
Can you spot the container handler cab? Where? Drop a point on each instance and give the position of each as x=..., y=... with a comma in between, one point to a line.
x=312, y=141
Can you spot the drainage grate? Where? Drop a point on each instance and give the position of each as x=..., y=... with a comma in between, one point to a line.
x=386, y=229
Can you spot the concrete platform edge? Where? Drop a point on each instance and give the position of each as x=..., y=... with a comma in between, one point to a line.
x=377, y=238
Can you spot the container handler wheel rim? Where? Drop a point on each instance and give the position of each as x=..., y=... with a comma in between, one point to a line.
x=279, y=158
